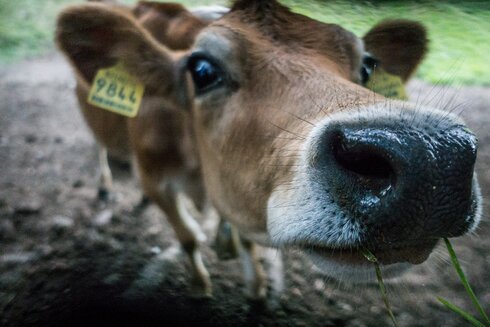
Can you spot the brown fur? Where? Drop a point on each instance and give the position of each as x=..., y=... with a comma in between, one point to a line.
x=297, y=33
x=171, y=24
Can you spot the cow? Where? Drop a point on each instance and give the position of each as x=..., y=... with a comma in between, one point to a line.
x=294, y=151
x=159, y=140
x=172, y=25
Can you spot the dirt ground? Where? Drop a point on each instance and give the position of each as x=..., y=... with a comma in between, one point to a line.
x=67, y=260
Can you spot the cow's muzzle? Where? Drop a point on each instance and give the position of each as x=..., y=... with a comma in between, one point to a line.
x=402, y=182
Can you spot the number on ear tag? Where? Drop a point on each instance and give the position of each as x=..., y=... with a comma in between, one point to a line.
x=114, y=89
x=391, y=86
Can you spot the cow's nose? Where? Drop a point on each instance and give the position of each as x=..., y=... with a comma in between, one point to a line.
x=366, y=156
x=401, y=182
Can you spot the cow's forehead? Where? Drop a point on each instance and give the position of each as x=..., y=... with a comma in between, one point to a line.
x=278, y=29
x=284, y=27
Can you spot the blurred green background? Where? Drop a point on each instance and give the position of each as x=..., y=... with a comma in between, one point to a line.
x=459, y=31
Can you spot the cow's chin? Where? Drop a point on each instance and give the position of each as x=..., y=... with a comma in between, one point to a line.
x=335, y=243
x=351, y=264
x=354, y=272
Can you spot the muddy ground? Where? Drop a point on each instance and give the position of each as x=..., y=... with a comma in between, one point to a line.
x=67, y=260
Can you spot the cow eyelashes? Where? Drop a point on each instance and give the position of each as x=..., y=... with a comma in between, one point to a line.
x=206, y=74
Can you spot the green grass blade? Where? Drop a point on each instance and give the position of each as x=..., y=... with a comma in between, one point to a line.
x=461, y=312
x=384, y=294
x=464, y=280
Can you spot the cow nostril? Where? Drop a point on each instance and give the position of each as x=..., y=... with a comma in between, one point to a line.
x=366, y=161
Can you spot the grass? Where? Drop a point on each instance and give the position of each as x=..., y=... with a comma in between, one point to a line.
x=464, y=280
x=382, y=288
x=474, y=321
x=26, y=27
x=459, y=32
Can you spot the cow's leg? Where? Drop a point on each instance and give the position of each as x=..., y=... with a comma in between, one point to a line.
x=105, y=180
x=225, y=244
x=189, y=234
x=255, y=276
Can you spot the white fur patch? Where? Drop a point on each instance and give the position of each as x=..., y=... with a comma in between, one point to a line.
x=209, y=13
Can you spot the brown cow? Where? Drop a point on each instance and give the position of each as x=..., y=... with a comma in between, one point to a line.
x=294, y=151
x=172, y=25
x=160, y=137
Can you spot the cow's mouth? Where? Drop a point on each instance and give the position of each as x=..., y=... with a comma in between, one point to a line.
x=386, y=254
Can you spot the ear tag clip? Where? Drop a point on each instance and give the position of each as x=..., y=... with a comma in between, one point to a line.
x=114, y=89
x=386, y=84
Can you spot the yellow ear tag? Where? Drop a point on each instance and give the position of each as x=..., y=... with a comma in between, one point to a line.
x=114, y=89
x=391, y=86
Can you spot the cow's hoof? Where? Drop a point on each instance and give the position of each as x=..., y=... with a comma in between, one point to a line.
x=200, y=290
x=141, y=206
x=257, y=292
x=224, y=244
x=104, y=195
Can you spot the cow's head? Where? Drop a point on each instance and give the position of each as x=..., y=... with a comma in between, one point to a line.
x=292, y=146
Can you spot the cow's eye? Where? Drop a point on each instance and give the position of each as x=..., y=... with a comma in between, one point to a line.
x=205, y=74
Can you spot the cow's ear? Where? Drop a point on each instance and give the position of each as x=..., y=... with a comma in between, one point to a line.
x=170, y=23
x=95, y=36
x=399, y=45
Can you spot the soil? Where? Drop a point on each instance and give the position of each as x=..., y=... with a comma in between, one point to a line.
x=68, y=260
